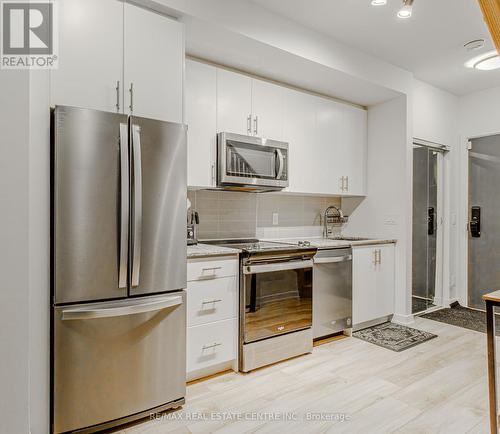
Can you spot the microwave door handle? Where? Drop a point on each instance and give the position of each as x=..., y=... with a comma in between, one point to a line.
x=124, y=206
x=281, y=163
x=137, y=190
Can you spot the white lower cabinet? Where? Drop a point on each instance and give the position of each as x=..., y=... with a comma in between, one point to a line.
x=372, y=282
x=210, y=347
x=212, y=316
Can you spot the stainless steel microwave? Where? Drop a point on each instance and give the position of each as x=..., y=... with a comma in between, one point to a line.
x=251, y=163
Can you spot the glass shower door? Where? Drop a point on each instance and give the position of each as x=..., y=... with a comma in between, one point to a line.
x=425, y=208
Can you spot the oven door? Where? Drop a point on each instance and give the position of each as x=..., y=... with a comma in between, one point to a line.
x=277, y=298
x=251, y=161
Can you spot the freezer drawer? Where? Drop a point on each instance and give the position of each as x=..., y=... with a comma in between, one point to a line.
x=116, y=359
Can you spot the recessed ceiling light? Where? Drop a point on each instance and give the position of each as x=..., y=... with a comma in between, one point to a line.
x=476, y=44
x=485, y=62
x=406, y=10
x=379, y=2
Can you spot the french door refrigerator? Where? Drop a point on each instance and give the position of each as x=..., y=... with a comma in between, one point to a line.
x=118, y=268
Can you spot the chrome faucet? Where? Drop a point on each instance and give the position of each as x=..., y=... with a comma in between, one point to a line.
x=332, y=219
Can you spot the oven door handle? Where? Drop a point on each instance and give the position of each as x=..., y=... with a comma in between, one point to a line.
x=280, y=266
x=331, y=260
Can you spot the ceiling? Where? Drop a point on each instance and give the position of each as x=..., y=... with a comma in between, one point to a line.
x=430, y=44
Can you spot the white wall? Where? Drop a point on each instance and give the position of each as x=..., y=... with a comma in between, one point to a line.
x=435, y=119
x=39, y=227
x=14, y=305
x=479, y=113
x=387, y=181
x=24, y=237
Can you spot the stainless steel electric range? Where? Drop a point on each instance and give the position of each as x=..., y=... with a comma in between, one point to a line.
x=275, y=301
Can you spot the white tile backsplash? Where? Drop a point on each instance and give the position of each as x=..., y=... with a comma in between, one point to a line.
x=227, y=214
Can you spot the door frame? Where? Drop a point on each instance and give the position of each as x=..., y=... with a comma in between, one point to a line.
x=441, y=296
x=463, y=204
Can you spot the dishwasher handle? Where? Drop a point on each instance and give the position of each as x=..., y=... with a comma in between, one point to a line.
x=333, y=259
x=130, y=308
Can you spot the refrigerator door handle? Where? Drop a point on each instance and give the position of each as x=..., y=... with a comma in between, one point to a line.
x=137, y=204
x=106, y=310
x=124, y=206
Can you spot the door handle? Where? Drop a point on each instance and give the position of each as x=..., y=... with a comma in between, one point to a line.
x=256, y=126
x=112, y=309
x=280, y=161
x=430, y=221
x=475, y=222
x=131, y=90
x=124, y=206
x=118, y=96
x=249, y=124
x=137, y=204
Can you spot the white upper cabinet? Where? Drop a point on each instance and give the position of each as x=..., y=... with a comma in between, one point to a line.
x=90, y=55
x=327, y=139
x=153, y=65
x=355, y=149
x=201, y=118
x=234, y=102
x=267, y=110
x=299, y=131
x=329, y=145
x=128, y=44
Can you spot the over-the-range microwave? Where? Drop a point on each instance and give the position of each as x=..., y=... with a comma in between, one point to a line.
x=251, y=163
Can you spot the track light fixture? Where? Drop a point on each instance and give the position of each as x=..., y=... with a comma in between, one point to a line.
x=406, y=10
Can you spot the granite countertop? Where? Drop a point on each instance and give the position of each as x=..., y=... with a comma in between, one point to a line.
x=201, y=250
x=327, y=243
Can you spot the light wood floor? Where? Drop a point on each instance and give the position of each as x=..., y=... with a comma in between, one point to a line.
x=437, y=387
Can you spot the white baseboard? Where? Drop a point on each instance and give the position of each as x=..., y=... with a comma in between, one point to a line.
x=448, y=301
x=403, y=319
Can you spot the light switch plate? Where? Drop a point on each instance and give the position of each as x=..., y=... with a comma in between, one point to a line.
x=390, y=220
x=275, y=218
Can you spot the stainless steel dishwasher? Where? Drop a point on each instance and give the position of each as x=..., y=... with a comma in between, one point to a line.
x=332, y=292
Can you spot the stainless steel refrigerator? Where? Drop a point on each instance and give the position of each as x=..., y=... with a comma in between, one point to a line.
x=118, y=268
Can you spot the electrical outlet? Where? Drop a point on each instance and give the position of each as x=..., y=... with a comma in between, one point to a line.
x=275, y=219
x=390, y=220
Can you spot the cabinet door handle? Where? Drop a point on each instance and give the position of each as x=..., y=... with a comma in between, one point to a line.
x=131, y=90
x=211, y=301
x=211, y=268
x=249, y=124
x=375, y=257
x=346, y=183
x=118, y=96
x=213, y=174
x=379, y=256
x=256, y=126
x=207, y=347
